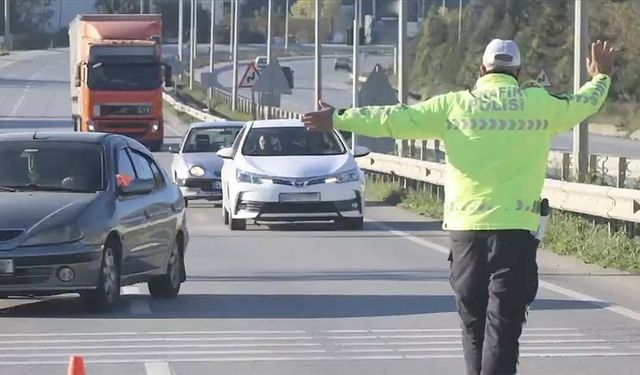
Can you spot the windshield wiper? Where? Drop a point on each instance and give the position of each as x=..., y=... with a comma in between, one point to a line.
x=37, y=187
x=7, y=188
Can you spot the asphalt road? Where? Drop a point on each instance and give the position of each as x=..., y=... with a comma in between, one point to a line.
x=307, y=300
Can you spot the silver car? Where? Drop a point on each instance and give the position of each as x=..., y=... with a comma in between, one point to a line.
x=196, y=166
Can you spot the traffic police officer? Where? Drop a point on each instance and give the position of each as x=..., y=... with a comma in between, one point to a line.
x=497, y=138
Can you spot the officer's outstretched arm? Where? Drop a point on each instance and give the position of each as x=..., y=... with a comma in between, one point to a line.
x=423, y=120
x=567, y=111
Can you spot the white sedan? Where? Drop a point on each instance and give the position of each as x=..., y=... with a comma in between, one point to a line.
x=196, y=167
x=278, y=171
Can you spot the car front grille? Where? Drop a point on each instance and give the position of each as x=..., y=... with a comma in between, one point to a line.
x=335, y=207
x=107, y=110
x=9, y=234
x=205, y=184
x=125, y=127
x=26, y=276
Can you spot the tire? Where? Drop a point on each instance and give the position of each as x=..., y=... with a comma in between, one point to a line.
x=225, y=215
x=351, y=223
x=168, y=285
x=107, y=293
x=237, y=224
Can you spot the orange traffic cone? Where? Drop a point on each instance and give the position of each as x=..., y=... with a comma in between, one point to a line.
x=76, y=366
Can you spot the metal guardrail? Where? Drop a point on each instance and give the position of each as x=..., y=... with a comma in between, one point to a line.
x=611, y=203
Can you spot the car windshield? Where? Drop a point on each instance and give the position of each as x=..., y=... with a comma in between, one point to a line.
x=291, y=141
x=114, y=76
x=210, y=139
x=51, y=166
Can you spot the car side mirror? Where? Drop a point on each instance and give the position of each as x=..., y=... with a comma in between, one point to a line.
x=168, y=76
x=360, y=151
x=128, y=185
x=225, y=153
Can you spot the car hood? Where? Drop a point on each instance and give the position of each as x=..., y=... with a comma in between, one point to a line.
x=34, y=210
x=297, y=166
x=210, y=161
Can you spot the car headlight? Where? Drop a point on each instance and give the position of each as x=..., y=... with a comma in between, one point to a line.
x=155, y=126
x=196, y=171
x=91, y=126
x=53, y=236
x=250, y=178
x=348, y=176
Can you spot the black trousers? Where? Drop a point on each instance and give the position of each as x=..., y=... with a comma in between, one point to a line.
x=494, y=275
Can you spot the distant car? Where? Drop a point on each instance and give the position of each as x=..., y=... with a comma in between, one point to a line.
x=343, y=63
x=87, y=213
x=196, y=166
x=260, y=62
x=278, y=171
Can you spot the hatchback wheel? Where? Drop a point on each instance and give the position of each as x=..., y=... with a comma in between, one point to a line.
x=168, y=285
x=107, y=293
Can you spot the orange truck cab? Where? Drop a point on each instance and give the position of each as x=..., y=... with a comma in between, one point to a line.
x=117, y=76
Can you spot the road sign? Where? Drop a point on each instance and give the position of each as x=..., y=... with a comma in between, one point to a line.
x=272, y=80
x=250, y=77
x=377, y=90
x=543, y=79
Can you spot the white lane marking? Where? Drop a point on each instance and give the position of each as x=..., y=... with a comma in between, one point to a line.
x=157, y=368
x=171, y=352
x=620, y=310
x=181, y=333
x=391, y=337
x=310, y=358
x=168, y=346
x=457, y=342
x=159, y=339
x=423, y=330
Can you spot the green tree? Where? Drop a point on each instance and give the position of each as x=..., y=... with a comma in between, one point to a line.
x=307, y=9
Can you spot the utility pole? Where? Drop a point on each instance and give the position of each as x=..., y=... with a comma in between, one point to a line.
x=180, y=28
x=459, y=21
x=8, y=43
x=141, y=6
x=195, y=29
x=318, y=55
x=286, y=26
x=402, y=72
x=212, y=47
x=234, y=89
x=580, y=132
x=269, y=31
x=191, y=45
x=231, y=32
x=356, y=54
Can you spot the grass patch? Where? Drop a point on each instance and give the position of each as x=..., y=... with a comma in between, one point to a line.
x=198, y=98
x=567, y=234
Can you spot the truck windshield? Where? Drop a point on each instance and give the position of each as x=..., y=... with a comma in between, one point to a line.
x=123, y=76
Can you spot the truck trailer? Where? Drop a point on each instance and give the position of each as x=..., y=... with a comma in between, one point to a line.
x=117, y=76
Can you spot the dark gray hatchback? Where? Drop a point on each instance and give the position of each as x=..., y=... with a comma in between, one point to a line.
x=87, y=213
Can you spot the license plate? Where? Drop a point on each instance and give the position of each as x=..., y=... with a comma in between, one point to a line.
x=6, y=266
x=300, y=197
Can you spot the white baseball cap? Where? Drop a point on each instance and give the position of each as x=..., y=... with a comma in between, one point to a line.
x=501, y=53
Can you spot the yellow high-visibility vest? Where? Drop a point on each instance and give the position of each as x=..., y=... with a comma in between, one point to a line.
x=497, y=138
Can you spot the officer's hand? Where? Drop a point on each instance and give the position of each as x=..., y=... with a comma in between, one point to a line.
x=320, y=120
x=601, y=60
